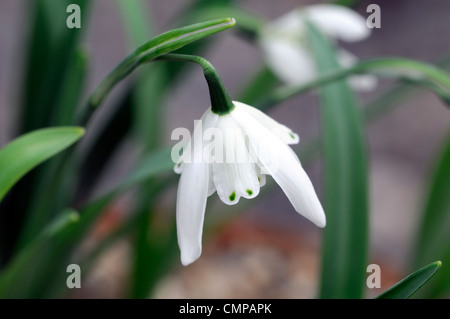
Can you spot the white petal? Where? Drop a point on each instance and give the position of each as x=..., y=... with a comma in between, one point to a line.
x=364, y=82
x=280, y=130
x=211, y=186
x=235, y=176
x=191, y=204
x=338, y=21
x=193, y=190
x=279, y=160
x=289, y=59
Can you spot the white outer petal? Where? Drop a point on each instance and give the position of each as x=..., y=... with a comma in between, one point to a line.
x=211, y=186
x=289, y=173
x=288, y=59
x=338, y=21
x=191, y=199
x=191, y=204
x=280, y=130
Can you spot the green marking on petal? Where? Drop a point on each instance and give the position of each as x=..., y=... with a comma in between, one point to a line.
x=232, y=196
x=259, y=179
x=249, y=192
x=292, y=135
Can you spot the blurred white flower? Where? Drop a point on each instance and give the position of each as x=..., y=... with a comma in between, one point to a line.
x=285, y=48
x=258, y=145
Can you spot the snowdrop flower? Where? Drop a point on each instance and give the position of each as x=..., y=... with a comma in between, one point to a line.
x=246, y=133
x=285, y=48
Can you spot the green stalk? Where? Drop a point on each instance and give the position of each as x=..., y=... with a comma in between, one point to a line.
x=345, y=242
x=412, y=71
x=221, y=102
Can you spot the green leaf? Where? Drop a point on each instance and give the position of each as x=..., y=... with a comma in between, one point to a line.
x=52, y=47
x=51, y=57
x=162, y=44
x=437, y=208
x=23, y=275
x=434, y=237
x=56, y=179
x=246, y=21
x=346, y=234
x=138, y=24
x=26, y=152
x=155, y=256
x=409, y=285
x=72, y=89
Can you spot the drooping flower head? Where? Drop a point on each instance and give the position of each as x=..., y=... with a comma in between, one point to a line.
x=285, y=45
x=232, y=149
x=231, y=154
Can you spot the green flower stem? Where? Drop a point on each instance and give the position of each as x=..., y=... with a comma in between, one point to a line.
x=221, y=102
x=162, y=44
x=413, y=71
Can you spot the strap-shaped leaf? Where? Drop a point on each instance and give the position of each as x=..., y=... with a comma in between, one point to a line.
x=434, y=237
x=409, y=285
x=50, y=51
x=346, y=234
x=26, y=152
x=72, y=88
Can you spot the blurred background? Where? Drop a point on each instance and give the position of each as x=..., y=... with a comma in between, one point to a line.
x=268, y=251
